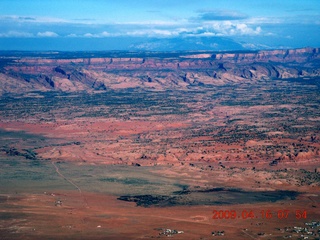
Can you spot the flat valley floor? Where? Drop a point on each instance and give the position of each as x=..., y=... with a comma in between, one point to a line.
x=238, y=161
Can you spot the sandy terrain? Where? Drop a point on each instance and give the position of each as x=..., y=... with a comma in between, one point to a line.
x=98, y=216
x=58, y=150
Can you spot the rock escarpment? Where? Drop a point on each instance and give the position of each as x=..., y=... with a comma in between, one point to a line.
x=158, y=71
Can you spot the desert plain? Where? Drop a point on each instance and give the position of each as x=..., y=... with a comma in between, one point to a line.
x=185, y=145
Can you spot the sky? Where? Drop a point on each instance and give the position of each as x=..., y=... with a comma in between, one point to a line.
x=130, y=24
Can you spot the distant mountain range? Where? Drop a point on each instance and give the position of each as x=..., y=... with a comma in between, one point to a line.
x=126, y=44
x=188, y=43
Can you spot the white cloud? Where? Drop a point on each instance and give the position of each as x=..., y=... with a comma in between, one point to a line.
x=207, y=34
x=105, y=34
x=16, y=34
x=265, y=20
x=181, y=27
x=245, y=30
x=228, y=28
x=47, y=34
x=164, y=32
x=98, y=35
x=72, y=35
x=89, y=35
x=154, y=33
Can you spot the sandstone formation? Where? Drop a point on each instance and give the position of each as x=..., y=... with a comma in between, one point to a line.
x=154, y=72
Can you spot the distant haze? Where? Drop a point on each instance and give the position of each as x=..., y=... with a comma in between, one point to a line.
x=158, y=25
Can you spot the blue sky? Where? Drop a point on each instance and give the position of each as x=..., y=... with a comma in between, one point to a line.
x=252, y=24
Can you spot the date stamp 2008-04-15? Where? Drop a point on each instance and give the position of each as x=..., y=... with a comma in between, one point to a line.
x=262, y=214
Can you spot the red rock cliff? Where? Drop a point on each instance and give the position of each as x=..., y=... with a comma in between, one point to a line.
x=156, y=72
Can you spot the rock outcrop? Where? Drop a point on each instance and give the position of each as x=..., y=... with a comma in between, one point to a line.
x=21, y=74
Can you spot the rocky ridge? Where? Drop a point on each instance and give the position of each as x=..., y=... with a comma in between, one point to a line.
x=183, y=71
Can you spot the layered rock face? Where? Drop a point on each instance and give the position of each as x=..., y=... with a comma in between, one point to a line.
x=155, y=72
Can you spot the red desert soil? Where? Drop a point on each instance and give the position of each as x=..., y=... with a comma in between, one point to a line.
x=112, y=141
x=97, y=216
x=253, y=126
